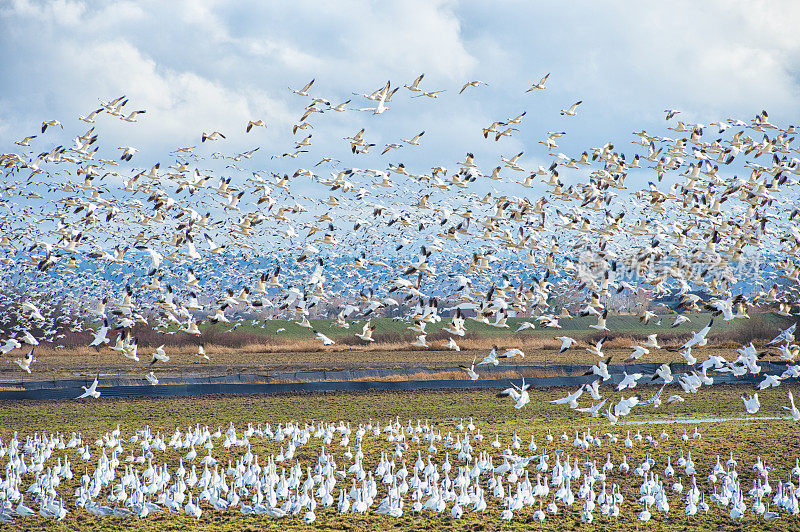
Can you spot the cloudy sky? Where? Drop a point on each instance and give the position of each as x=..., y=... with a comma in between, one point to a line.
x=200, y=65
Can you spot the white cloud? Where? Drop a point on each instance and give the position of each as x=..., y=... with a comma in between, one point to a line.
x=213, y=65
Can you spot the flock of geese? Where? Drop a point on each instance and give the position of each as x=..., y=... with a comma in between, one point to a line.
x=384, y=469
x=93, y=244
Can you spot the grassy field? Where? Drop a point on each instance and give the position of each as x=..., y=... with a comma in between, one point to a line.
x=266, y=350
x=775, y=441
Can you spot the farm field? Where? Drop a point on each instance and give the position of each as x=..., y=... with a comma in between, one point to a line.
x=773, y=440
x=253, y=349
x=382, y=266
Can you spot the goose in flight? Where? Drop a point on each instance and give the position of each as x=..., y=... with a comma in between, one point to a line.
x=214, y=135
x=491, y=358
x=26, y=141
x=91, y=391
x=549, y=321
x=473, y=375
x=338, y=108
x=601, y=369
x=572, y=110
x=472, y=84
x=32, y=311
x=652, y=342
x=430, y=94
x=769, y=381
x=638, y=352
x=540, y=85
x=518, y=393
x=201, y=352
x=381, y=108
x=414, y=141
x=324, y=339
x=524, y=325
x=751, y=403
x=623, y=408
x=628, y=381
x=29, y=339
x=420, y=341
x=664, y=371
x=25, y=362
x=159, y=355
x=516, y=120
x=571, y=399
x=786, y=335
x=511, y=353
x=601, y=322
x=451, y=344
x=151, y=378
x=132, y=117
x=698, y=338
x=594, y=410
x=89, y=119
x=392, y=146
x=304, y=90
x=366, y=333
x=51, y=123
x=414, y=87
x=594, y=389
x=127, y=152
x=792, y=408
x=597, y=348
x=100, y=335
x=508, y=133
x=254, y=123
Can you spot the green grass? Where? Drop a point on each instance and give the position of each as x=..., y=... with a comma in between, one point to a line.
x=775, y=441
x=578, y=326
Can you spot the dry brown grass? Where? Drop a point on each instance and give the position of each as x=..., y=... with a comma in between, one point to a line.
x=296, y=351
x=255, y=359
x=424, y=371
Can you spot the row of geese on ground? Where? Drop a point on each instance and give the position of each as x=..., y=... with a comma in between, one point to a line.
x=388, y=470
